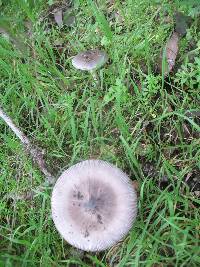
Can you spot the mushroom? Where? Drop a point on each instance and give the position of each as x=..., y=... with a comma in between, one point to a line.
x=90, y=61
x=93, y=205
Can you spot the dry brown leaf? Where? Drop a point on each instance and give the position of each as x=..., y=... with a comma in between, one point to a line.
x=171, y=53
x=58, y=16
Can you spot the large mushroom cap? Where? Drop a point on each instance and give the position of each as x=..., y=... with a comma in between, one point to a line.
x=93, y=205
x=90, y=60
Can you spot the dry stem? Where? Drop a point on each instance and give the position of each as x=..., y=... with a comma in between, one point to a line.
x=35, y=152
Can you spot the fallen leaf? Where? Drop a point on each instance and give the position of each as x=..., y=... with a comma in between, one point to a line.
x=170, y=54
x=58, y=16
x=182, y=23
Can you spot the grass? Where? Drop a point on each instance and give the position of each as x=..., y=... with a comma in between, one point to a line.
x=133, y=118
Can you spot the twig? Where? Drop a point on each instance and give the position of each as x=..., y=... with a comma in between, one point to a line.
x=34, y=151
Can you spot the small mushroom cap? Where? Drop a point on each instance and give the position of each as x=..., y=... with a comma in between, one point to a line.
x=90, y=60
x=93, y=205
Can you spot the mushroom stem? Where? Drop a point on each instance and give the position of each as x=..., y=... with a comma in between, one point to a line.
x=94, y=75
x=35, y=152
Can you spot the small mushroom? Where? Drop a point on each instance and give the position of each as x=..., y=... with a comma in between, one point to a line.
x=90, y=60
x=93, y=205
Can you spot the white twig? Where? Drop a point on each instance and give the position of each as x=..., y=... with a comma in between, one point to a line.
x=17, y=131
x=35, y=152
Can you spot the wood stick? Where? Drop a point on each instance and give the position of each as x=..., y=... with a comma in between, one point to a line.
x=34, y=151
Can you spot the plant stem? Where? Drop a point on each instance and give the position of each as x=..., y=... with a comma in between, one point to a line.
x=95, y=76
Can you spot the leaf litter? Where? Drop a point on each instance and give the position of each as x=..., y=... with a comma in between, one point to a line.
x=60, y=14
x=169, y=55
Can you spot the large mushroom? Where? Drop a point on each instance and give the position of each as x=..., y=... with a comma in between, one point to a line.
x=90, y=60
x=94, y=205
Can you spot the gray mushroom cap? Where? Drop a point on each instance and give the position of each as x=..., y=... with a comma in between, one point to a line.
x=90, y=60
x=93, y=205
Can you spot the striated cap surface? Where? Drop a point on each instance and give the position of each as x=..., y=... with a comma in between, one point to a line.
x=94, y=205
